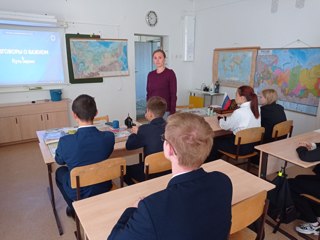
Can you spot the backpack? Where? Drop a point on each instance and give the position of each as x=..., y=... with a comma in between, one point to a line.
x=281, y=206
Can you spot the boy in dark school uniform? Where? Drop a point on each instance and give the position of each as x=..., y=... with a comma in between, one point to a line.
x=87, y=146
x=147, y=136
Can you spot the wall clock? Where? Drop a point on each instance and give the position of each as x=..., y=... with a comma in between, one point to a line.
x=152, y=18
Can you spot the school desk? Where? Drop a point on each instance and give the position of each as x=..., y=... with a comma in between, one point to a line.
x=100, y=213
x=119, y=151
x=286, y=150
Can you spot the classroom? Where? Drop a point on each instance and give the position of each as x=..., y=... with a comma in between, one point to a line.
x=218, y=24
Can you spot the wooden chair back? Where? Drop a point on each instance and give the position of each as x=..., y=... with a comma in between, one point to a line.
x=249, y=135
x=246, y=136
x=84, y=176
x=106, y=170
x=311, y=198
x=282, y=129
x=245, y=213
x=101, y=118
x=181, y=107
x=156, y=163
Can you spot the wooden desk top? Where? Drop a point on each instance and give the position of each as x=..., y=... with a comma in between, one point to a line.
x=99, y=214
x=286, y=148
x=214, y=124
x=119, y=149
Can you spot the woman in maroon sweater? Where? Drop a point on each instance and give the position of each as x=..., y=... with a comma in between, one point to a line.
x=162, y=82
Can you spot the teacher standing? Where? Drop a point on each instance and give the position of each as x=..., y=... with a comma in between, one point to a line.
x=162, y=82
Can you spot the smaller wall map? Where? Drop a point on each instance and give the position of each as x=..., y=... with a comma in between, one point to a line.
x=294, y=73
x=234, y=67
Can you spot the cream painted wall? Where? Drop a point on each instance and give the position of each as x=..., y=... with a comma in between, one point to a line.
x=113, y=19
x=229, y=23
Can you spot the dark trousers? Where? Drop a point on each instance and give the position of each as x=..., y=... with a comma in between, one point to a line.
x=61, y=174
x=226, y=143
x=308, y=184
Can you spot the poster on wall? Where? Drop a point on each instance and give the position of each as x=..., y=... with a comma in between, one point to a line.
x=98, y=58
x=234, y=67
x=294, y=73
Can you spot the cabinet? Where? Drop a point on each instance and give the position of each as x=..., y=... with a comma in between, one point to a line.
x=20, y=121
x=10, y=129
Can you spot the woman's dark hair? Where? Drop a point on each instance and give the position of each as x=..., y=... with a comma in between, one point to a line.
x=159, y=51
x=248, y=93
x=84, y=107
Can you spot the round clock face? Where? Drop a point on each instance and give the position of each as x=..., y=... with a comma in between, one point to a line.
x=152, y=18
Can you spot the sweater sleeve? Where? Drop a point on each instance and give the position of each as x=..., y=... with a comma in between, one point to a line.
x=309, y=156
x=173, y=93
x=134, y=224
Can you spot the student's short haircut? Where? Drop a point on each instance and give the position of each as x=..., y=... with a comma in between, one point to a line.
x=84, y=107
x=270, y=95
x=157, y=105
x=191, y=137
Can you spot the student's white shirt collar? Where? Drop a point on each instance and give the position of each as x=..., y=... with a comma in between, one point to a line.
x=245, y=104
x=86, y=126
x=182, y=173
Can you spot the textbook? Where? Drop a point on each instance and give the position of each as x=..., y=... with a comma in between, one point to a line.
x=53, y=135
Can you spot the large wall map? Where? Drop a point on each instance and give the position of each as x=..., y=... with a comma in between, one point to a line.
x=294, y=73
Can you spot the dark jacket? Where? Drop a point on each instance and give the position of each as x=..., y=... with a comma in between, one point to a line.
x=87, y=146
x=310, y=156
x=271, y=114
x=195, y=205
x=148, y=137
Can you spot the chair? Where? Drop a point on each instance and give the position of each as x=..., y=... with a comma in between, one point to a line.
x=156, y=163
x=101, y=118
x=181, y=107
x=88, y=175
x=248, y=211
x=316, y=201
x=153, y=164
x=282, y=129
x=246, y=136
x=196, y=101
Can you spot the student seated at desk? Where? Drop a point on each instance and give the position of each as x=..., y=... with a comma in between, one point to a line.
x=307, y=184
x=87, y=146
x=271, y=112
x=195, y=204
x=147, y=136
x=246, y=116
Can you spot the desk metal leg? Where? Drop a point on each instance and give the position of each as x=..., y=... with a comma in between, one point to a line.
x=263, y=165
x=52, y=199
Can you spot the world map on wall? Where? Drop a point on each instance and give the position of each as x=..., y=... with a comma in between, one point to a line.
x=92, y=58
x=235, y=66
x=295, y=75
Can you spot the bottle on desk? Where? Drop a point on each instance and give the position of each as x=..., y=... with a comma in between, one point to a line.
x=128, y=122
x=217, y=87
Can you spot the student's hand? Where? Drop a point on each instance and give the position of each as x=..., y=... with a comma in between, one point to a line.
x=136, y=203
x=220, y=116
x=308, y=145
x=134, y=129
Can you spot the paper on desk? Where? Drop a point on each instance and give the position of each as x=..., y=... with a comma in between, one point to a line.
x=52, y=148
x=318, y=130
x=53, y=135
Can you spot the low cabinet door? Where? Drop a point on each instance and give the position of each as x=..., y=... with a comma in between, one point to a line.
x=10, y=129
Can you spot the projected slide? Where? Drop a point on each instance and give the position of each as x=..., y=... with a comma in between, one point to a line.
x=30, y=57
